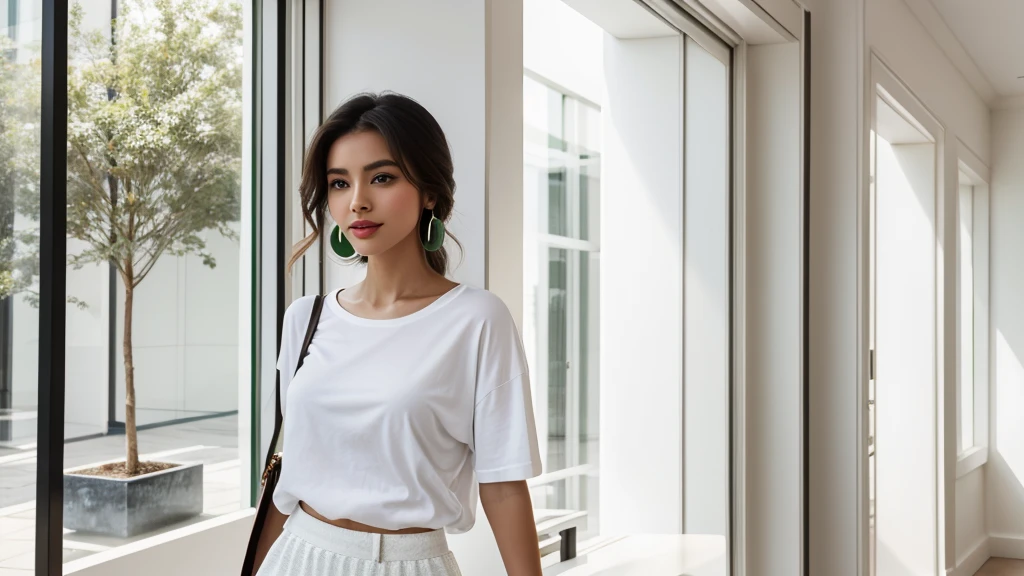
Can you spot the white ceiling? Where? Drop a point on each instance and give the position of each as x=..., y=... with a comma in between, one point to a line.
x=991, y=32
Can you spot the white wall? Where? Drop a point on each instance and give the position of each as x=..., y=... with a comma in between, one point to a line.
x=970, y=514
x=641, y=399
x=774, y=196
x=843, y=32
x=1004, y=477
x=896, y=35
x=899, y=38
x=433, y=52
x=836, y=120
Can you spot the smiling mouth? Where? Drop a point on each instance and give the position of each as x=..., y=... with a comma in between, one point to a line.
x=364, y=230
x=364, y=224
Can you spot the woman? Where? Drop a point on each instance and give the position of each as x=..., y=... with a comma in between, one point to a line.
x=414, y=398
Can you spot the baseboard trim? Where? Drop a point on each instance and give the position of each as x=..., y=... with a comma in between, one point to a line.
x=1007, y=546
x=969, y=564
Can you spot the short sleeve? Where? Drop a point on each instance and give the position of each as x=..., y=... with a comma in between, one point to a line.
x=505, y=446
x=293, y=332
x=505, y=434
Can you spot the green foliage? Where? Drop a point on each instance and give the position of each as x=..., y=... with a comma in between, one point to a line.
x=19, y=167
x=154, y=132
x=154, y=138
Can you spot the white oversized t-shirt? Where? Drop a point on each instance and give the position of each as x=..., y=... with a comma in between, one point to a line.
x=392, y=423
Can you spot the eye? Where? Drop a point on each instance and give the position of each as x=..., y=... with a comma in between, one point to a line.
x=382, y=179
x=337, y=184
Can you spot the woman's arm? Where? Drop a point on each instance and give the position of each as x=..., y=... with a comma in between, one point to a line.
x=510, y=512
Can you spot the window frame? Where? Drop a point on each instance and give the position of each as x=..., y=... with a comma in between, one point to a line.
x=972, y=457
x=268, y=28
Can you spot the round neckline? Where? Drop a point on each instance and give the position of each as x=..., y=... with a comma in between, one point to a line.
x=333, y=304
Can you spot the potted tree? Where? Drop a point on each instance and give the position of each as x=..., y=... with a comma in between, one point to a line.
x=154, y=163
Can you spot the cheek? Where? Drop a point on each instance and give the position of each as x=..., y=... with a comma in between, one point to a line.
x=402, y=205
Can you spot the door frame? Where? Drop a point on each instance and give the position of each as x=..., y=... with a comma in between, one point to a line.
x=884, y=83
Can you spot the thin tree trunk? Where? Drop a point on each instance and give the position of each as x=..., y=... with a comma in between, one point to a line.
x=130, y=433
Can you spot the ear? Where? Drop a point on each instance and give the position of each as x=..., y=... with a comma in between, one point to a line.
x=430, y=202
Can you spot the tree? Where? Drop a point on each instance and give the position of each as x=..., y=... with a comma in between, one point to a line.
x=154, y=143
x=19, y=169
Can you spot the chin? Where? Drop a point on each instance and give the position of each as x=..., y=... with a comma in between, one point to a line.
x=368, y=249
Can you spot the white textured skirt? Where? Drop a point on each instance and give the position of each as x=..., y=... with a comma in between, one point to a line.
x=310, y=547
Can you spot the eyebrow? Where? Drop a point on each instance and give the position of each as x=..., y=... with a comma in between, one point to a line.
x=367, y=168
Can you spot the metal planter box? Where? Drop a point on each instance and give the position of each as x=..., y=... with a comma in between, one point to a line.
x=127, y=507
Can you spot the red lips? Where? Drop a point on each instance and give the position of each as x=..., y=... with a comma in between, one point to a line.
x=363, y=229
x=363, y=224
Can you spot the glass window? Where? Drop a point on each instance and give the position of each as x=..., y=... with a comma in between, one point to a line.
x=153, y=341
x=20, y=116
x=966, y=263
x=562, y=137
x=562, y=263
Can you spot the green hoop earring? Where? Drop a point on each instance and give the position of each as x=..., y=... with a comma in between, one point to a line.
x=340, y=244
x=431, y=232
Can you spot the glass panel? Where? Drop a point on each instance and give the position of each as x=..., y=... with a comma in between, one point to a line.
x=558, y=200
x=966, y=317
x=589, y=388
x=584, y=146
x=20, y=116
x=706, y=301
x=561, y=177
x=562, y=140
x=558, y=357
x=154, y=195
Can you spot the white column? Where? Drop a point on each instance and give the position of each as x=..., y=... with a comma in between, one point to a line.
x=774, y=310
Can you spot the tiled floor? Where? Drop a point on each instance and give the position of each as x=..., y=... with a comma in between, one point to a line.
x=1002, y=567
x=213, y=441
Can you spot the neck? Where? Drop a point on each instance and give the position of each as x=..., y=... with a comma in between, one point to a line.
x=401, y=271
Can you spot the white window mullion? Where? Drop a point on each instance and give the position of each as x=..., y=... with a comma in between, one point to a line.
x=572, y=404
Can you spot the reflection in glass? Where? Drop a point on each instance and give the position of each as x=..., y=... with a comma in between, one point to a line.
x=153, y=220
x=20, y=116
x=561, y=255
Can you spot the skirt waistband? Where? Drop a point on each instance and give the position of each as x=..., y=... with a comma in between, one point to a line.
x=366, y=545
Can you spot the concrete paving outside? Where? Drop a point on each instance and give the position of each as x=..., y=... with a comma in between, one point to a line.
x=213, y=441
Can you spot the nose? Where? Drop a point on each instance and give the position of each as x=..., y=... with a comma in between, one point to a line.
x=360, y=199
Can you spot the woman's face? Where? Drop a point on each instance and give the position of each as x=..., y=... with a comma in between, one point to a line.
x=376, y=207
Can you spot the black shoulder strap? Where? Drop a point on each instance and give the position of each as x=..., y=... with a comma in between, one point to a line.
x=314, y=320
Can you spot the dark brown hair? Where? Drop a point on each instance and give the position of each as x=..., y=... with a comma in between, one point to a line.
x=416, y=143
